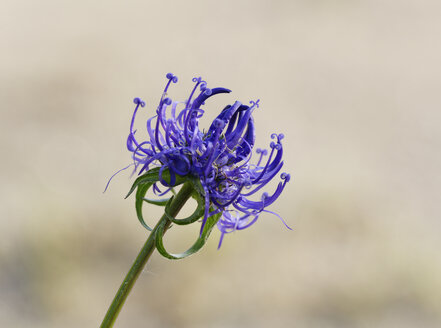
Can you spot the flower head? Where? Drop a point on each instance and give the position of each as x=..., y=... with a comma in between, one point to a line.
x=220, y=157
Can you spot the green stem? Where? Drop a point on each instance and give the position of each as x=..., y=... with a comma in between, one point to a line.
x=143, y=256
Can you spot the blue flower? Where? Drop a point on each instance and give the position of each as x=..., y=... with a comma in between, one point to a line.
x=220, y=157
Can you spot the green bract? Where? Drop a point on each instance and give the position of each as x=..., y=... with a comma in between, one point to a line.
x=143, y=183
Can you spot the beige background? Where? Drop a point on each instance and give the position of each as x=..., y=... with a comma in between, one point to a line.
x=355, y=87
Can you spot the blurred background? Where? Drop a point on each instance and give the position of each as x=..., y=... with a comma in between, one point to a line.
x=355, y=87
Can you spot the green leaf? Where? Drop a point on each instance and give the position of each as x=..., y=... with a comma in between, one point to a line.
x=158, y=202
x=197, y=214
x=149, y=177
x=153, y=176
x=179, y=178
x=143, y=183
x=200, y=242
x=197, y=186
x=140, y=193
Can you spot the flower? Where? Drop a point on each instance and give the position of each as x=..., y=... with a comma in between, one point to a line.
x=220, y=157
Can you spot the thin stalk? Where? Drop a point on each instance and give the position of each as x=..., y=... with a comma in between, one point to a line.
x=143, y=256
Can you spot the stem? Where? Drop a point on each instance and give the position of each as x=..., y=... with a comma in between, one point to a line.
x=143, y=256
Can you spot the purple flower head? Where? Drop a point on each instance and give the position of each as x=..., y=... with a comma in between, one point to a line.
x=220, y=157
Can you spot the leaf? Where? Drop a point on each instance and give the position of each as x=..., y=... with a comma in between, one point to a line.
x=140, y=193
x=197, y=186
x=149, y=177
x=153, y=176
x=200, y=242
x=143, y=184
x=197, y=214
x=158, y=202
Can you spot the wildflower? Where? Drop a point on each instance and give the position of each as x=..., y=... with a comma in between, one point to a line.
x=214, y=167
x=220, y=158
